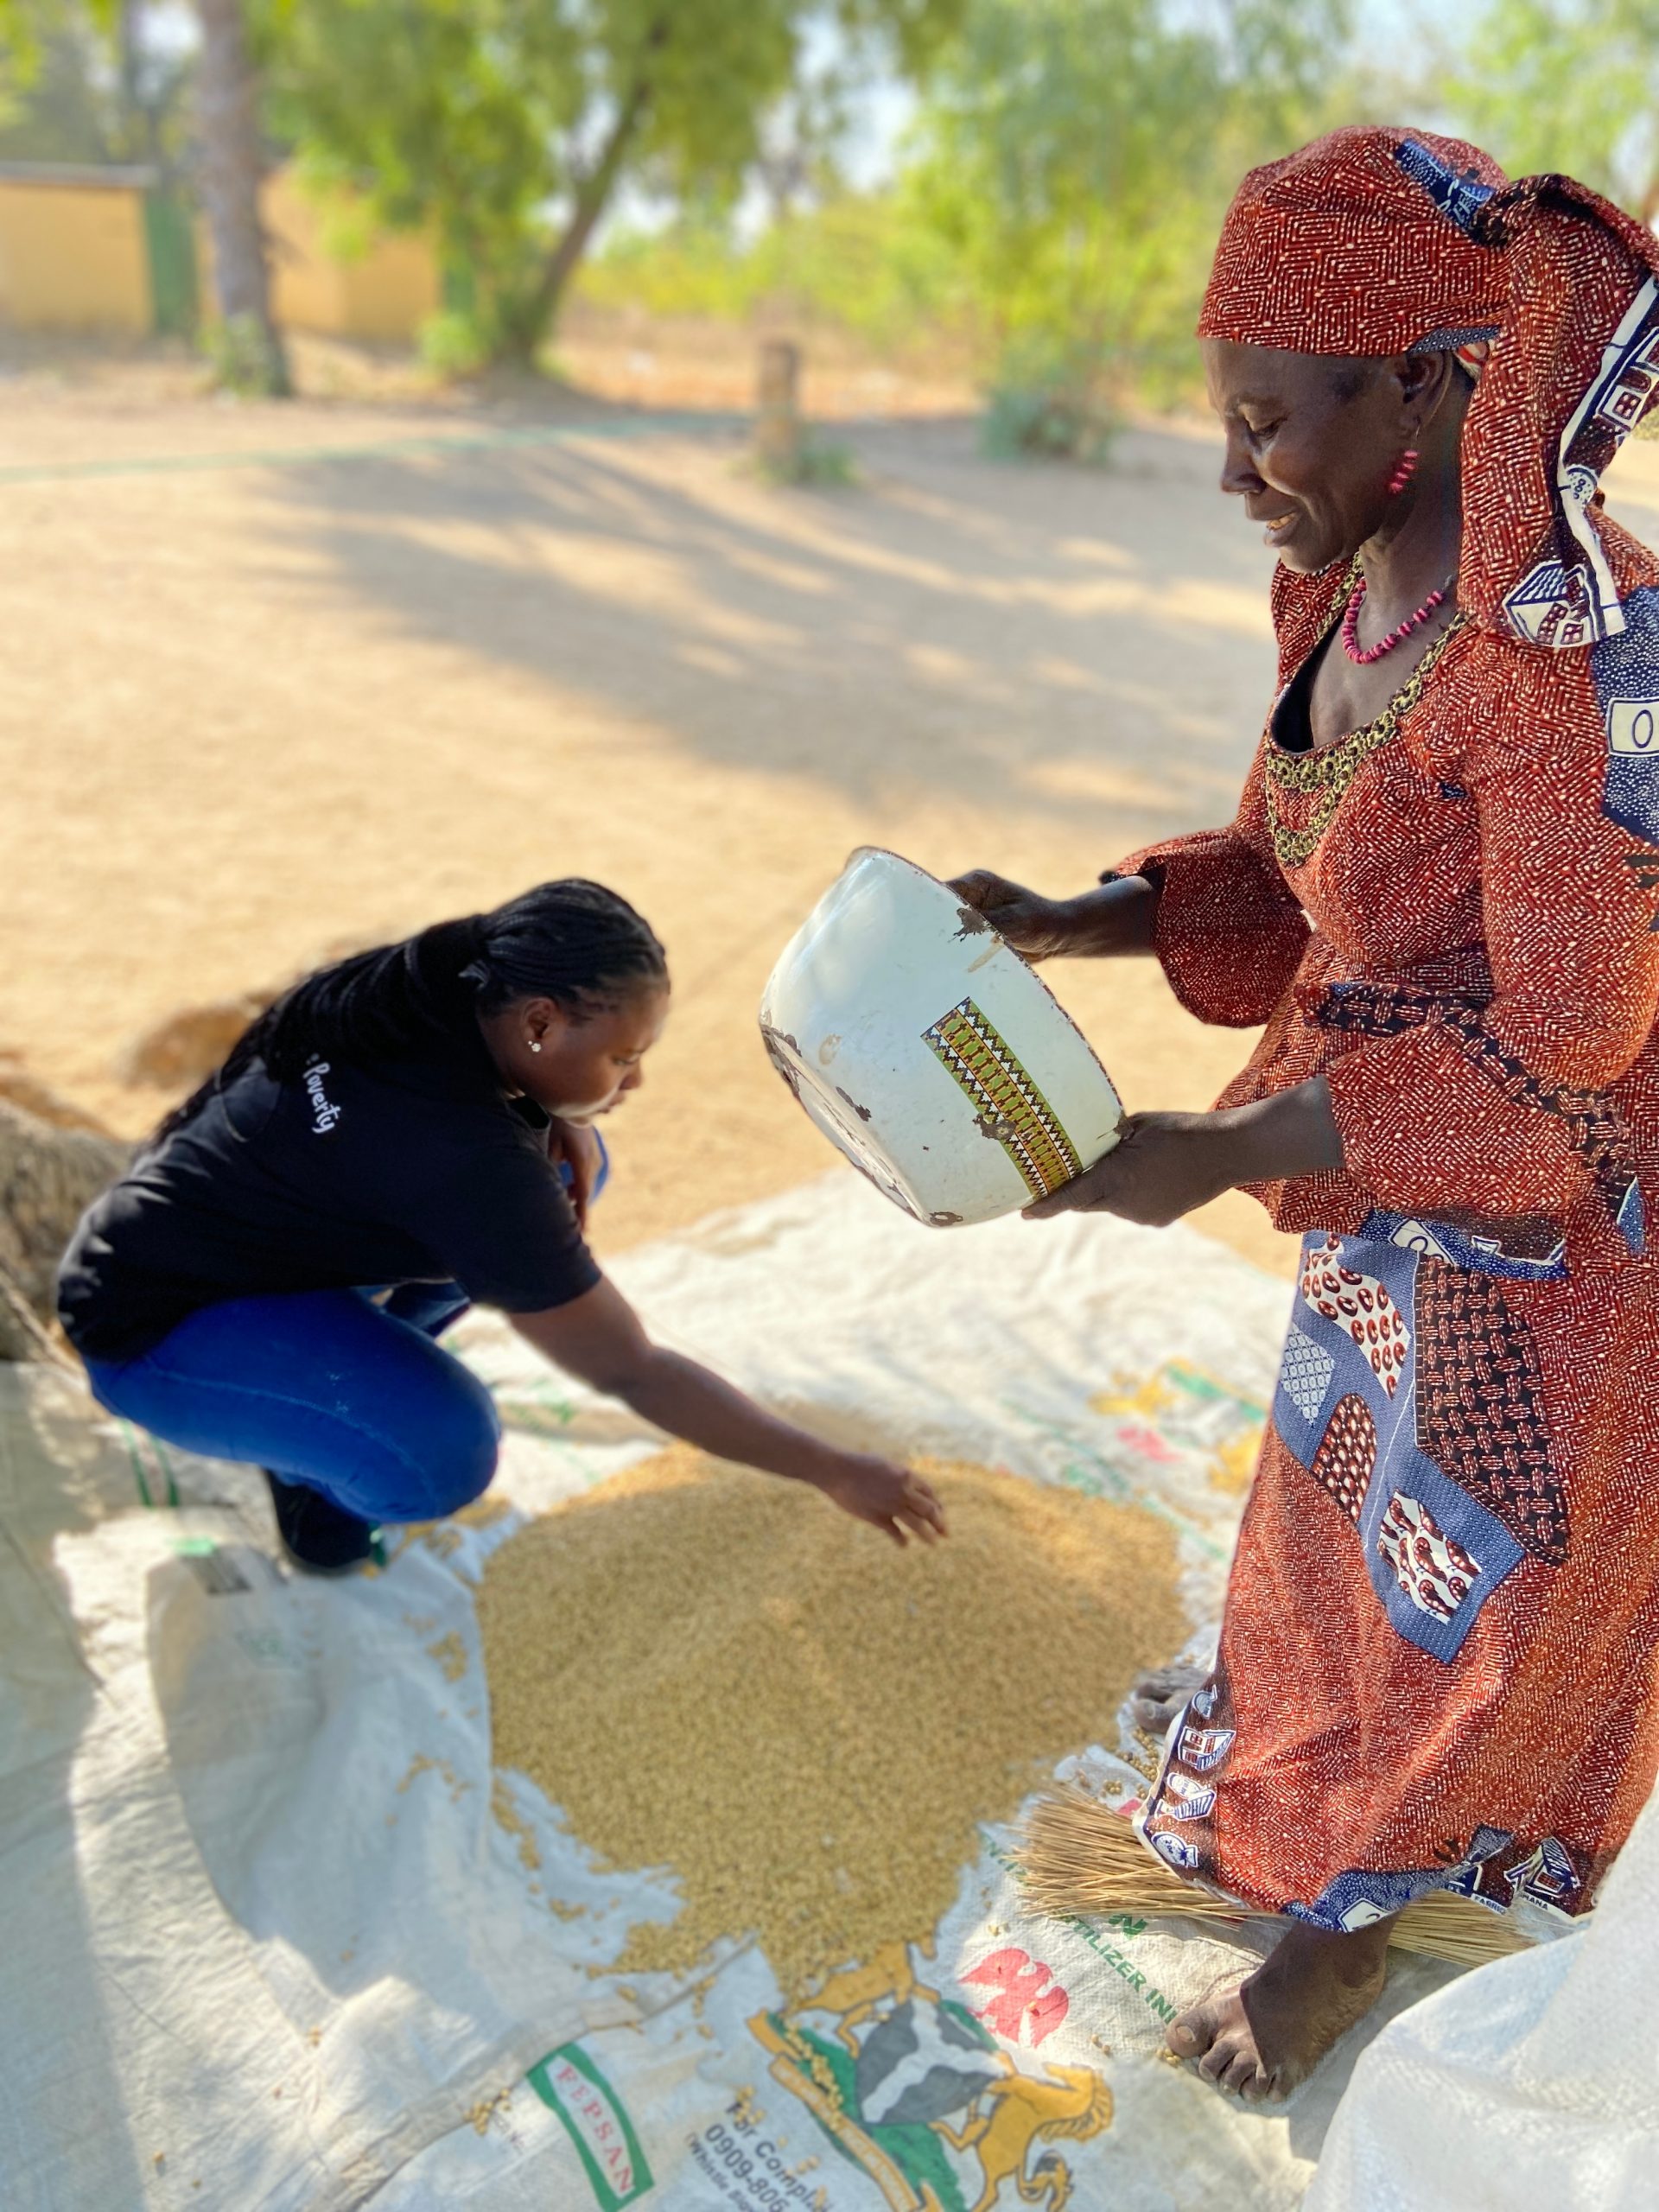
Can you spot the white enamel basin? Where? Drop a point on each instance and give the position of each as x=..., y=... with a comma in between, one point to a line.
x=929, y=1053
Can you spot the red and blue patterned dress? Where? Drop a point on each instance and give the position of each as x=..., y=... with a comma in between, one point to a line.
x=1437, y=1663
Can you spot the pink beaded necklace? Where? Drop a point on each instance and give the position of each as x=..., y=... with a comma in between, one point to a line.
x=1363, y=657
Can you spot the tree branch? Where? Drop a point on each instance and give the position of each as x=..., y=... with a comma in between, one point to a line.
x=593, y=192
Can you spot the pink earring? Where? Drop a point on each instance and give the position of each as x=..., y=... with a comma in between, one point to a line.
x=1405, y=469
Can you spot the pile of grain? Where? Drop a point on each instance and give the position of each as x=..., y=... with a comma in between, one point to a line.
x=718, y=1674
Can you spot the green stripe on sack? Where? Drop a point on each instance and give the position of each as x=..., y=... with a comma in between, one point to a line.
x=135, y=1441
x=129, y=1438
x=160, y=1450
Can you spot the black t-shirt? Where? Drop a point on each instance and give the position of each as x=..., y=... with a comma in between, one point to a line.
x=414, y=1172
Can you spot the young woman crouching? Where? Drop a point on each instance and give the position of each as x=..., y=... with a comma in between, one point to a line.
x=403, y=1135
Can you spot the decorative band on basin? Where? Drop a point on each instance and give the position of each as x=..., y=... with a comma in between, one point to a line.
x=1011, y=1107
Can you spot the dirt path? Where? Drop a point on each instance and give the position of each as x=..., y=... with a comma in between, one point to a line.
x=260, y=701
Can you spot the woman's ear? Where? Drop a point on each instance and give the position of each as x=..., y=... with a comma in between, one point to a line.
x=1423, y=380
x=544, y=1024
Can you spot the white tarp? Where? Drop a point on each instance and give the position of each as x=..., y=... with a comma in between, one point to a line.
x=1534, y=2087
x=270, y=1944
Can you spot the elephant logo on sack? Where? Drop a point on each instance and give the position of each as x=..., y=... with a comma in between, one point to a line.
x=914, y=2088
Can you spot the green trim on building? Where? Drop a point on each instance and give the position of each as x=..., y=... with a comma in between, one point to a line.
x=170, y=248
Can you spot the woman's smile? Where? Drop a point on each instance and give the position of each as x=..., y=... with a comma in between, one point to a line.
x=1278, y=521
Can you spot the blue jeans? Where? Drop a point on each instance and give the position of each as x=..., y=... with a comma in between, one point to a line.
x=347, y=1391
x=326, y=1387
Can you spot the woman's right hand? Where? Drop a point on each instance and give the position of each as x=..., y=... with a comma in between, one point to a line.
x=1118, y=918
x=1038, y=928
x=891, y=1498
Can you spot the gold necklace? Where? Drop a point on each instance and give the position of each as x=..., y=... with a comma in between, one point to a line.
x=1331, y=768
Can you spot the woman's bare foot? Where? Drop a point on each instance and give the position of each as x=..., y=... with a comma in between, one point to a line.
x=1268, y=2035
x=1158, y=1697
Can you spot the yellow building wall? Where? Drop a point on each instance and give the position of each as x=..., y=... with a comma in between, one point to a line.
x=73, y=258
x=387, y=293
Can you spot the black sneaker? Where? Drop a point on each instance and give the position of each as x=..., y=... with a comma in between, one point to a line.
x=319, y=1536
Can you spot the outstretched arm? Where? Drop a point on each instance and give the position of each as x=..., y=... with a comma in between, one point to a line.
x=599, y=1339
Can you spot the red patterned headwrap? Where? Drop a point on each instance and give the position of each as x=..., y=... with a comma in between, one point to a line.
x=1376, y=241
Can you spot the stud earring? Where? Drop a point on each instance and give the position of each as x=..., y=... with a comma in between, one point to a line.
x=535, y=1045
x=1405, y=469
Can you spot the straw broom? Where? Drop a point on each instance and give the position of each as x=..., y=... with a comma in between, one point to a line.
x=1077, y=1856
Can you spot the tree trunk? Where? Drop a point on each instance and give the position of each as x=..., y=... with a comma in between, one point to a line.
x=232, y=165
x=593, y=193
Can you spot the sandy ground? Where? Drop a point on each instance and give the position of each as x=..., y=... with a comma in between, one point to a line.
x=282, y=676
x=646, y=360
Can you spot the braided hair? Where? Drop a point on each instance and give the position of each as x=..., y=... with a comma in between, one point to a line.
x=573, y=942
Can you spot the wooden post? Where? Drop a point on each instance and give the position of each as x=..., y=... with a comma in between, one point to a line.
x=777, y=407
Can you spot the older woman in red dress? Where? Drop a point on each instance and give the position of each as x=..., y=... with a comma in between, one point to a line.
x=1437, y=1659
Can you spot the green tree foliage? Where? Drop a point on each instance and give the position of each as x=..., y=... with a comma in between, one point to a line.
x=45, y=95
x=1076, y=156
x=1567, y=85
x=508, y=125
x=854, y=261
x=54, y=105
x=81, y=83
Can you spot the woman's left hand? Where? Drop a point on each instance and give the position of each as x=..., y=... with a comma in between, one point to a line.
x=577, y=1144
x=1162, y=1167
x=1165, y=1163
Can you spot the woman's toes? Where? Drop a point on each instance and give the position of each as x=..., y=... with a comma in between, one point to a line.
x=1166, y=1685
x=1191, y=2034
x=1222, y=2057
x=1159, y=1696
x=1154, y=1714
x=1257, y=2087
